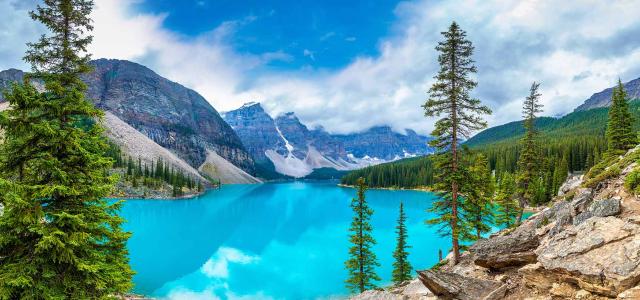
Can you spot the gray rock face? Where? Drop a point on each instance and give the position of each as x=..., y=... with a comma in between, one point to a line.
x=603, y=98
x=256, y=129
x=601, y=208
x=601, y=255
x=581, y=200
x=173, y=116
x=455, y=286
x=384, y=143
x=510, y=249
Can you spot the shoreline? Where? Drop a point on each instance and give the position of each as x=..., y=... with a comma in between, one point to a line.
x=527, y=209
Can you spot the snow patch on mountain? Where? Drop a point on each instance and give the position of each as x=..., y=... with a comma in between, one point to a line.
x=288, y=165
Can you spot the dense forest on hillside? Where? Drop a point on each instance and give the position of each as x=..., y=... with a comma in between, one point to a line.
x=577, y=138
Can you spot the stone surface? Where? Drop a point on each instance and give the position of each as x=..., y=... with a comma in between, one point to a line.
x=452, y=285
x=412, y=290
x=601, y=255
x=600, y=208
x=581, y=200
x=630, y=294
x=571, y=183
x=508, y=249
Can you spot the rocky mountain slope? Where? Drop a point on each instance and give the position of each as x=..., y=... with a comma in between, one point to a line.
x=585, y=245
x=291, y=148
x=172, y=116
x=603, y=98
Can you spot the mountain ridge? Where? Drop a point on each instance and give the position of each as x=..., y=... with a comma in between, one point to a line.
x=295, y=150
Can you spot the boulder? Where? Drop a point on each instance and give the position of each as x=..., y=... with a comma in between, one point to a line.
x=601, y=208
x=630, y=294
x=571, y=183
x=509, y=249
x=410, y=290
x=600, y=255
x=581, y=200
x=454, y=286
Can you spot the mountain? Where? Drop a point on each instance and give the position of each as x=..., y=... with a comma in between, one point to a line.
x=603, y=98
x=171, y=115
x=289, y=147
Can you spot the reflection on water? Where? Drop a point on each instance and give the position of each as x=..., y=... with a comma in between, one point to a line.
x=269, y=241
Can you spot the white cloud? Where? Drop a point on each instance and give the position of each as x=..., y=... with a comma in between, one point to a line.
x=218, y=265
x=574, y=48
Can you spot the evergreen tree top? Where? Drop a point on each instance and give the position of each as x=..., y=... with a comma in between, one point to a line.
x=62, y=53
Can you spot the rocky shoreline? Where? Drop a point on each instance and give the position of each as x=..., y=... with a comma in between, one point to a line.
x=586, y=245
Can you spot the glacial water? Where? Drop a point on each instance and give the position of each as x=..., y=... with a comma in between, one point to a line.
x=267, y=241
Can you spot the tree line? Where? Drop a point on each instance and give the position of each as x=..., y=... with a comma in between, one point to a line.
x=138, y=173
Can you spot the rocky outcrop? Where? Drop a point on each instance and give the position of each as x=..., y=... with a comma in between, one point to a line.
x=412, y=290
x=507, y=249
x=601, y=208
x=454, y=286
x=220, y=169
x=603, y=98
x=601, y=255
x=574, y=181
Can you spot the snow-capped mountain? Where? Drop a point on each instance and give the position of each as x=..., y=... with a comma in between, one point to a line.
x=287, y=146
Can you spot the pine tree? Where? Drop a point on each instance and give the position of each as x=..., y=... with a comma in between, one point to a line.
x=560, y=174
x=59, y=237
x=401, y=266
x=620, y=134
x=529, y=161
x=362, y=260
x=508, y=208
x=477, y=191
x=449, y=96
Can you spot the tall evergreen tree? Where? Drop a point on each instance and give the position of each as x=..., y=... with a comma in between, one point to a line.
x=449, y=96
x=477, y=191
x=620, y=134
x=401, y=266
x=362, y=260
x=59, y=237
x=529, y=160
x=508, y=208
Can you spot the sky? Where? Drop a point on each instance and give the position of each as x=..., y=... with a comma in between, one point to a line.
x=351, y=65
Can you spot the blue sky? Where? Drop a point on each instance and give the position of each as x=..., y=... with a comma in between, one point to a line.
x=350, y=65
x=320, y=34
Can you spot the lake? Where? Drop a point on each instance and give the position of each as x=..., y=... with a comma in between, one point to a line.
x=267, y=241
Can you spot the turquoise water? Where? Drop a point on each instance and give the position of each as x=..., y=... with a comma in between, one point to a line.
x=268, y=241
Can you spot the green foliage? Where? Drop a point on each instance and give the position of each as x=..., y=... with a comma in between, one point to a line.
x=529, y=167
x=439, y=264
x=59, y=237
x=460, y=114
x=620, y=134
x=477, y=190
x=362, y=260
x=401, y=266
x=632, y=181
x=508, y=207
x=609, y=173
x=406, y=173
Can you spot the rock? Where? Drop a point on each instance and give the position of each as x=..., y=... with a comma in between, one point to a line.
x=412, y=290
x=452, y=285
x=632, y=293
x=1, y=209
x=601, y=255
x=559, y=225
x=572, y=182
x=582, y=294
x=513, y=248
x=563, y=289
x=536, y=276
x=601, y=208
x=581, y=200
